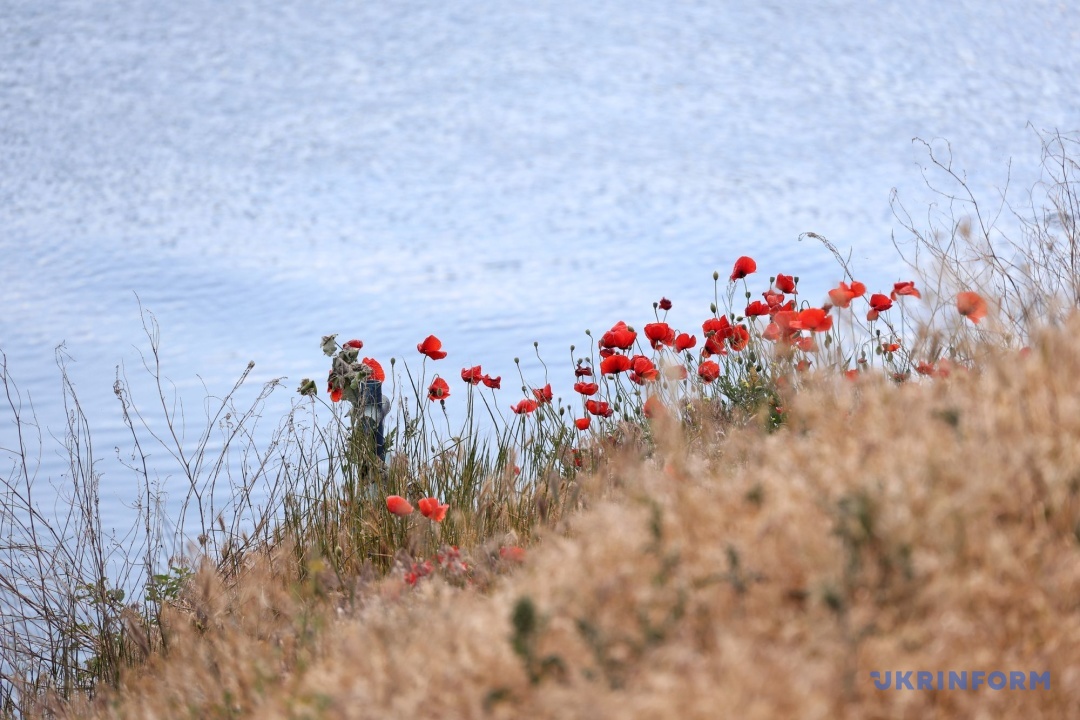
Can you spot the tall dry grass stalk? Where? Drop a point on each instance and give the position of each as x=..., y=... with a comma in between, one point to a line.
x=928, y=526
x=1025, y=258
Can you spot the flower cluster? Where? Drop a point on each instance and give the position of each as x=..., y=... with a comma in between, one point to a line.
x=448, y=562
x=430, y=507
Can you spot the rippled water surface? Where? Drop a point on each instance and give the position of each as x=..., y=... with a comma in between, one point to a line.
x=258, y=174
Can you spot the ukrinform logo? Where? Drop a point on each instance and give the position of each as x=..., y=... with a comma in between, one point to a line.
x=951, y=680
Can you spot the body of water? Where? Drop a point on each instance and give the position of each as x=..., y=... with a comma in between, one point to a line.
x=258, y=174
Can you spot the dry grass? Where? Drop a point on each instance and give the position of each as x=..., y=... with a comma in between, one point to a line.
x=927, y=526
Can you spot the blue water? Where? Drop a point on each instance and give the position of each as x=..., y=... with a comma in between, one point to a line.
x=260, y=174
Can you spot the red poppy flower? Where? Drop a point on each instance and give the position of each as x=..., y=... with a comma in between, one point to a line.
x=525, y=407
x=743, y=267
x=971, y=305
x=432, y=509
x=675, y=372
x=852, y=374
x=335, y=394
x=716, y=331
x=353, y=344
x=432, y=347
x=644, y=368
x=599, y=407
x=512, y=554
x=773, y=299
x=665, y=304
x=684, y=342
x=814, y=320
x=472, y=375
x=771, y=332
x=786, y=321
x=904, y=288
x=653, y=407
x=739, y=339
x=714, y=345
x=586, y=388
x=659, y=333
x=398, y=505
x=785, y=283
x=583, y=371
x=620, y=336
x=495, y=383
x=543, y=395
x=438, y=390
x=582, y=423
x=924, y=368
x=376, y=369
x=576, y=454
x=614, y=364
x=708, y=371
x=843, y=294
x=720, y=326
x=757, y=308
x=890, y=347
x=878, y=304
x=806, y=344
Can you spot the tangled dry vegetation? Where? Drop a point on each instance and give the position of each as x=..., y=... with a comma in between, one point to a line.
x=926, y=526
